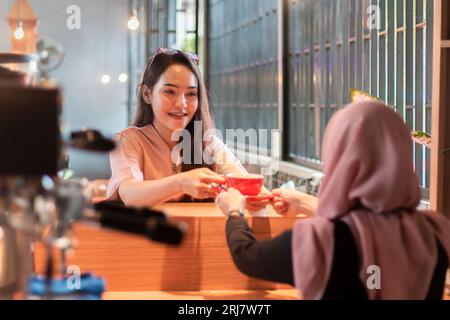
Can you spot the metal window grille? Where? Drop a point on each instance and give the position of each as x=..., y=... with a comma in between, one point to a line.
x=164, y=23
x=333, y=47
x=330, y=50
x=243, y=59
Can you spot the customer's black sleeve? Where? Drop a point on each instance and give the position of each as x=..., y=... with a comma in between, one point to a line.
x=264, y=259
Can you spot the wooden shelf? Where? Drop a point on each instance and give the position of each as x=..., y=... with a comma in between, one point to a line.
x=445, y=44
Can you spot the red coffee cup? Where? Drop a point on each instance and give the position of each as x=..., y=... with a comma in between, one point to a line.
x=247, y=184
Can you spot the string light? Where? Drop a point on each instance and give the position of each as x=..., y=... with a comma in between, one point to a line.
x=105, y=78
x=19, y=33
x=133, y=22
x=123, y=77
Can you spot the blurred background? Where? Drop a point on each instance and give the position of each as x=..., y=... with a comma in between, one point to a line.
x=269, y=64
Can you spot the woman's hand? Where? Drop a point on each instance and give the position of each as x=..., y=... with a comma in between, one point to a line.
x=259, y=202
x=197, y=183
x=230, y=200
x=288, y=202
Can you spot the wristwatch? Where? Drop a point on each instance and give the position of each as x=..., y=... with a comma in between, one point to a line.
x=235, y=213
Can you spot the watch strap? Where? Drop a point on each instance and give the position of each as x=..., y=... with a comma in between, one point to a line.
x=240, y=212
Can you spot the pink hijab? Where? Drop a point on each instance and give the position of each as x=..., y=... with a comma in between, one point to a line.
x=368, y=161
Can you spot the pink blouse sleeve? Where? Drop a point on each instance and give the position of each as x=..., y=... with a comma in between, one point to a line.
x=126, y=164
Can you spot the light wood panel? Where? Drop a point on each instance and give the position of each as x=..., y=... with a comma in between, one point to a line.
x=280, y=294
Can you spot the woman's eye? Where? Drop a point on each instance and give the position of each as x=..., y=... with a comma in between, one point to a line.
x=192, y=94
x=169, y=91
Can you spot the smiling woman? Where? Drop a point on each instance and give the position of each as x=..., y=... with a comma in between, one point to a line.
x=147, y=167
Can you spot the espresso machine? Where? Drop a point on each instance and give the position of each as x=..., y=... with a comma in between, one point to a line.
x=37, y=201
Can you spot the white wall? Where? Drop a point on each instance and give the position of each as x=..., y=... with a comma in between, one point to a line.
x=99, y=45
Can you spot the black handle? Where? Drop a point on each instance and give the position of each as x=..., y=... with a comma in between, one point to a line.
x=119, y=206
x=146, y=222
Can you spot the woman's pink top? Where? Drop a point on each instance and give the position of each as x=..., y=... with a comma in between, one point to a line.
x=143, y=155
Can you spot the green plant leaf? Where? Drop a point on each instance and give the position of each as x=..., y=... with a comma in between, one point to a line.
x=360, y=95
x=421, y=137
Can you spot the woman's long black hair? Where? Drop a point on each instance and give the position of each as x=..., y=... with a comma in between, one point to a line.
x=144, y=116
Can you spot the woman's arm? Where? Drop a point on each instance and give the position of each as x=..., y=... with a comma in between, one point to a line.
x=195, y=183
x=268, y=259
x=149, y=193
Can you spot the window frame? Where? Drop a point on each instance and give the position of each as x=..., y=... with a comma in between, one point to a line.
x=440, y=160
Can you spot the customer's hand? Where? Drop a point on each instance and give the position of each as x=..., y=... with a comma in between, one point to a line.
x=198, y=183
x=259, y=202
x=230, y=200
x=287, y=202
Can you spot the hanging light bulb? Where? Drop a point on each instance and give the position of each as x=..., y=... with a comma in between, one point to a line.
x=123, y=77
x=105, y=78
x=133, y=22
x=19, y=33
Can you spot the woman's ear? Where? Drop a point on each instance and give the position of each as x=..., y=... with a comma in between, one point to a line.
x=146, y=94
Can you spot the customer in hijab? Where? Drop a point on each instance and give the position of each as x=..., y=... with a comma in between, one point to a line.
x=368, y=239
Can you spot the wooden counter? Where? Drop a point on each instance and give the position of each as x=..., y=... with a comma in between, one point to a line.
x=201, y=263
x=200, y=268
